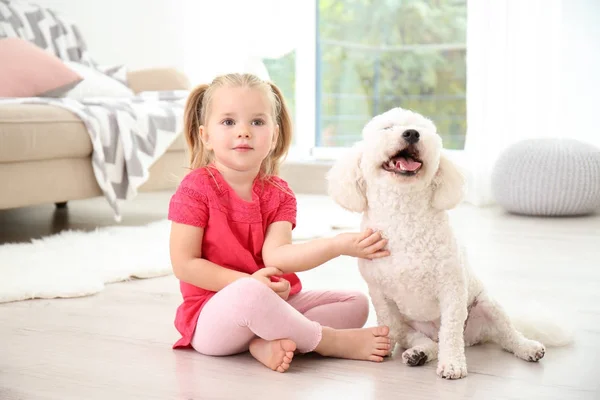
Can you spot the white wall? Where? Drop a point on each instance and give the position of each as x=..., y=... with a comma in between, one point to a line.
x=139, y=33
x=234, y=35
x=581, y=65
x=201, y=37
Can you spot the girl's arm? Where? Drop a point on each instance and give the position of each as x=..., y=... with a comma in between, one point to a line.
x=188, y=264
x=279, y=252
x=190, y=267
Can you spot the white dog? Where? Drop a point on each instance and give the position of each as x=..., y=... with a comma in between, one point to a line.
x=425, y=290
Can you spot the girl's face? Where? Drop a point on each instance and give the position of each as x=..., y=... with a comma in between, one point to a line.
x=240, y=129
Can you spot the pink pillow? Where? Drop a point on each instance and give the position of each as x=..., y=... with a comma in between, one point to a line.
x=28, y=71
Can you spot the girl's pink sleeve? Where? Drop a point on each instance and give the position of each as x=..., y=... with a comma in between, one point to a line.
x=287, y=209
x=189, y=204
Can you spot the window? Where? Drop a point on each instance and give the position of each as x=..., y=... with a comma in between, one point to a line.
x=359, y=58
x=282, y=71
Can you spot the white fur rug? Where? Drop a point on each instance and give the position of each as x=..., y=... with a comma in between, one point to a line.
x=76, y=263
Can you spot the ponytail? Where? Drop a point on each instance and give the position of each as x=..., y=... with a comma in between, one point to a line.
x=193, y=119
x=284, y=140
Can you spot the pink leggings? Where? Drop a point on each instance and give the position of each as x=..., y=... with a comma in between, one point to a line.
x=247, y=309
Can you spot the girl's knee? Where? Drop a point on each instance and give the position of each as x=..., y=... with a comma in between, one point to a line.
x=248, y=289
x=361, y=307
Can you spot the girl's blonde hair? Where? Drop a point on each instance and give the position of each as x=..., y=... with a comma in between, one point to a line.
x=197, y=110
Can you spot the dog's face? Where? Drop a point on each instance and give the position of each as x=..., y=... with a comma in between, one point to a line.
x=400, y=147
x=401, y=152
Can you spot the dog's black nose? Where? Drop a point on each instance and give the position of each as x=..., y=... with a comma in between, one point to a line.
x=411, y=136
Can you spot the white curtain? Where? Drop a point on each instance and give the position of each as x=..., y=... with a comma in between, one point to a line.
x=235, y=35
x=531, y=72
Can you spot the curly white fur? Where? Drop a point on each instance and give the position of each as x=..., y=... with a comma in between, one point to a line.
x=425, y=290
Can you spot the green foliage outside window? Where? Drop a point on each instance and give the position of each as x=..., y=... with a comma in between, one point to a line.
x=374, y=55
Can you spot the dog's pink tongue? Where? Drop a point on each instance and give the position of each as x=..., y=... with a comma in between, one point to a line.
x=407, y=164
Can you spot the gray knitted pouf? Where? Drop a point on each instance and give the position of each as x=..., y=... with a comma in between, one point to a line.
x=548, y=177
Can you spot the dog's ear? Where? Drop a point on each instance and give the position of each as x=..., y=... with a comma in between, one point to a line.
x=448, y=185
x=346, y=184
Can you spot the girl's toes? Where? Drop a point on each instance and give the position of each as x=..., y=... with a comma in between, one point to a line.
x=382, y=340
x=381, y=331
x=380, y=352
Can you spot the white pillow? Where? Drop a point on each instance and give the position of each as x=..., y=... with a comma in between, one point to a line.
x=95, y=84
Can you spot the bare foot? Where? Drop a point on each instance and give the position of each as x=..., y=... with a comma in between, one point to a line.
x=275, y=354
x=370, y=344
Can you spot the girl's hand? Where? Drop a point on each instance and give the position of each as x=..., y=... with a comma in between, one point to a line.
x=264, y=274
x=367, y=244
x=286, y=292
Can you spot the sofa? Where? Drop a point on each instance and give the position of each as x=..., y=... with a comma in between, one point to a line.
x=45, y=150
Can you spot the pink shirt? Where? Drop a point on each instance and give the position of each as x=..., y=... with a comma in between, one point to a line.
x=234, y=231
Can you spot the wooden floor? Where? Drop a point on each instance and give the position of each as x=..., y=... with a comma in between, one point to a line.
x=117, y=344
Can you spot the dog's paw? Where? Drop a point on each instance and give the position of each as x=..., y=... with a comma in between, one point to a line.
x=419, y=355
x=530, y=350
x=452, y=369
x=414, y=357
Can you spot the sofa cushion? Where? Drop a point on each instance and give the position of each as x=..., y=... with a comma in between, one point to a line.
x=32, y=72
x=40, y=132
x=95, y=84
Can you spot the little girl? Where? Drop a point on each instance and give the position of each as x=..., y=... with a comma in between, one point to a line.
x=231, y=240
